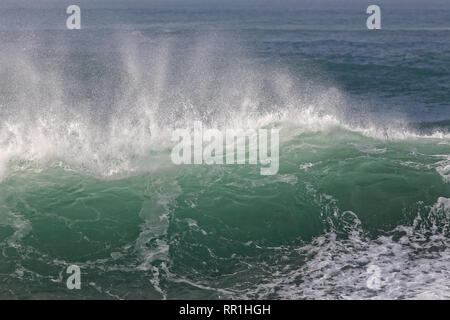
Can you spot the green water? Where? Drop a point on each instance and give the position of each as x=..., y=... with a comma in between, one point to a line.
x=220, y=231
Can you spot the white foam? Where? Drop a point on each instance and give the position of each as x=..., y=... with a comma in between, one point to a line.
x=159, y=90
x=412, y=266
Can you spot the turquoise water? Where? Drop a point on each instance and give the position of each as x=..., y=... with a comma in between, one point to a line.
x=87, y=179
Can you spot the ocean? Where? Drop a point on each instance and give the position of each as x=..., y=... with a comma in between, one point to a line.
x=360, y=205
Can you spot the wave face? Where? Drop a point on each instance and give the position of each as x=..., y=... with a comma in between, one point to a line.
x=85, y=170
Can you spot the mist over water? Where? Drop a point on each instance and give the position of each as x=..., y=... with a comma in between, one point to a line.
x=85, y=170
